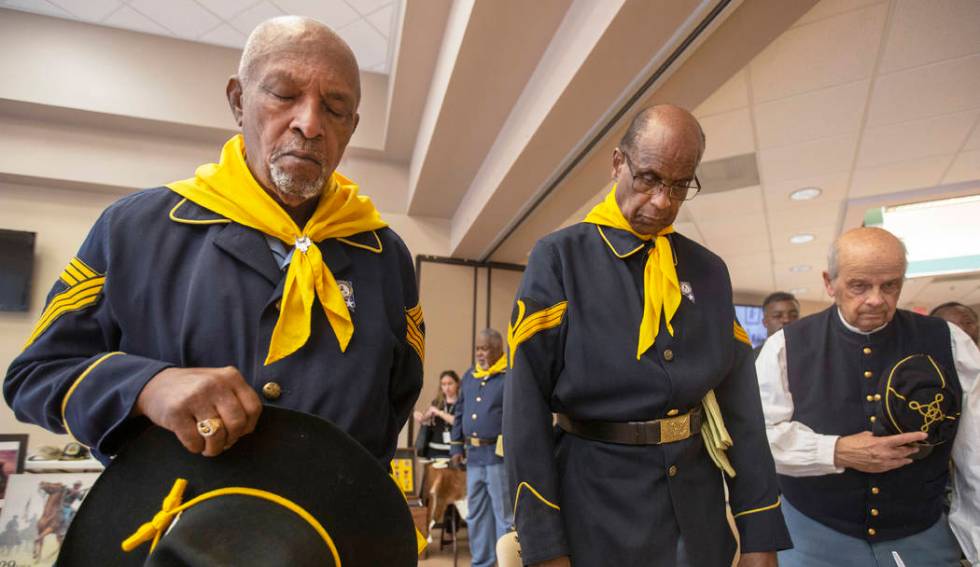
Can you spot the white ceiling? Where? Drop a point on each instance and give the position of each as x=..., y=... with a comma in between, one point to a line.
x=369, y=26
x=863, y=99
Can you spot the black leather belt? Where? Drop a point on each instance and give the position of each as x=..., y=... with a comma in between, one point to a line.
x=477, y=442
x=656, y=432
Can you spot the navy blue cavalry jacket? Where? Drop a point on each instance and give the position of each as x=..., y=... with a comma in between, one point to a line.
x=479, y=414
x=162, y=282
x=573, y=340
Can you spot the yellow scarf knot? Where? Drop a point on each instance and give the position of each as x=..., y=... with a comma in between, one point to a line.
x=662, y=291
x=229, y=189
x=495, y=368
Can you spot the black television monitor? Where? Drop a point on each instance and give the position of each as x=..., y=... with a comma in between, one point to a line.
x=750, y=317
x=16, y=268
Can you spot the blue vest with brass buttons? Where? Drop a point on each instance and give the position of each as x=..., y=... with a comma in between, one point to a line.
x=834, y=376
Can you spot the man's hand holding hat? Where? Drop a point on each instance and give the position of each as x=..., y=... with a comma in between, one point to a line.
x=180, y=399
x=867, y=453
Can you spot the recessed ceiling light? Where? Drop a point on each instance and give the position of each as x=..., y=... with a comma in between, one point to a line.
x=806, y=193
x=800, y=268
x=799, y=290
x=801, y=238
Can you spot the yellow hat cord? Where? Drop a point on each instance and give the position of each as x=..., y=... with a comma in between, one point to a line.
x=155, y=528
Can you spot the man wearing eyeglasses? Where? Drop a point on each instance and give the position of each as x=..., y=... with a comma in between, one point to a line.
x=626, y=330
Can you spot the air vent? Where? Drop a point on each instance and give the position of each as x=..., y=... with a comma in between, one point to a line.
x=735, y=172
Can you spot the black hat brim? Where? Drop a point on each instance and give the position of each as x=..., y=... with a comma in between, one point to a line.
x=297, y=456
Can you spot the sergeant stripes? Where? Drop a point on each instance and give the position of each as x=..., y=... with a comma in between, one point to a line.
x=523, y=328
x=415, y=330
x=741, y=335
x=84, y=288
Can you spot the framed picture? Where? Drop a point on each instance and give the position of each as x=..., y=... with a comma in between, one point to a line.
x=36, y=515
x=13, y=449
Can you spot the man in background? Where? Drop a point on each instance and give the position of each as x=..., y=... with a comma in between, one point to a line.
x=959, y=315
x=778, y=309
x=476, y=430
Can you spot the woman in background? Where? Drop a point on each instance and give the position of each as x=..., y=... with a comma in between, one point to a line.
x=439, y=416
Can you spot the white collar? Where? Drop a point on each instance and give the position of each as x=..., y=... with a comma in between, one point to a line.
x=854, y=329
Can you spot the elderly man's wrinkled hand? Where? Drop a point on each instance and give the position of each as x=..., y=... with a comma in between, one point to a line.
x=178, y=399
x=867, y=453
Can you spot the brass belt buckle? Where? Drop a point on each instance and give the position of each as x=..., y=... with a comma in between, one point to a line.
x=675, y=428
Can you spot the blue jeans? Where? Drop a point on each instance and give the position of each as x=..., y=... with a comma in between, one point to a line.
x=816, y=545
x=490, y=514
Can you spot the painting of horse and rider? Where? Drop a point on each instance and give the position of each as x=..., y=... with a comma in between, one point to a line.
x=36, y=513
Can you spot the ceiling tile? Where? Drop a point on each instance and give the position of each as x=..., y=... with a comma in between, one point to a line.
x=88, y=10
x=757, y=280
x=185, y=18
x=950, y=86
x=746, y=226
x=972, y=298
x=785, y=253
x=334, y=13
x=370, y=47
x=130, y=19
x=809, y=159
x=365, y=7
x=724, y=205
x=966, y=167
x=827, y=8
x=804, y=219
x=901, y=176
x=383, y=20
x=226, y=9
x=225, y=35
x=730, y=96
x=833, y=51
x=924, y=32
x=918, y=138
x=912, y=287
x=249, y=19
x=739, y=258
x=809, y=116
x=42, y=7
x=937, y=292
x=727, y=134
x=973, y=143
x=833, y=186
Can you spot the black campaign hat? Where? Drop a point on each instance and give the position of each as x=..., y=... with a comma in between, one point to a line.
x=297, y=491
x=916, y=396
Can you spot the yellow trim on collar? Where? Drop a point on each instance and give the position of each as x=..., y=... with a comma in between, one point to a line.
x=613, y=248
x=152, y=530
x=173, y=216
x=523, y=485
x=376, y=249
x=763, y=509
x=74, y=385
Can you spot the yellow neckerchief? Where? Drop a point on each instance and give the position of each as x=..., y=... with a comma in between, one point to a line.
x=662, y=291
x=152, y=531
x=496, y=368
x=228, y=188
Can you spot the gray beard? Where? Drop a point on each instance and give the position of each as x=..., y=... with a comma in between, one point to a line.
x=288, y=185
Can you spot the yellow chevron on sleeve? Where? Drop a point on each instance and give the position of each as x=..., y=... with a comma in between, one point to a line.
x=524, y=485
x=526, y=326
x=84, y=289
x=415, y=330
x=741, y=335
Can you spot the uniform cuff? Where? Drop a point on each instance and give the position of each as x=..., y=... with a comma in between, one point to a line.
x=826, y=448
x=763, y=531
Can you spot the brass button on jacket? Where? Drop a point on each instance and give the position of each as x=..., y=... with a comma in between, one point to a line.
x=867, y=350
x=668, y=354
x=672, y=471
x=271, y=391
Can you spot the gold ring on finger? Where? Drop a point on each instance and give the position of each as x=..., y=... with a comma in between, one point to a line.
x=208, y=427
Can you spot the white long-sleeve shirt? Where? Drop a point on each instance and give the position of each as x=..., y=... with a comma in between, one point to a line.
x=798, y=450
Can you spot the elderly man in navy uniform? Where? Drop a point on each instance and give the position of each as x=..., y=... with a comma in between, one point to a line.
x=626, y=330
x=477, y=429
x=265, y=273
x=865, y=403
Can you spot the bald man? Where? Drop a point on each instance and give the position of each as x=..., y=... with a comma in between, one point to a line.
x=265, y=278
x=626, y=330
x=863, y=458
